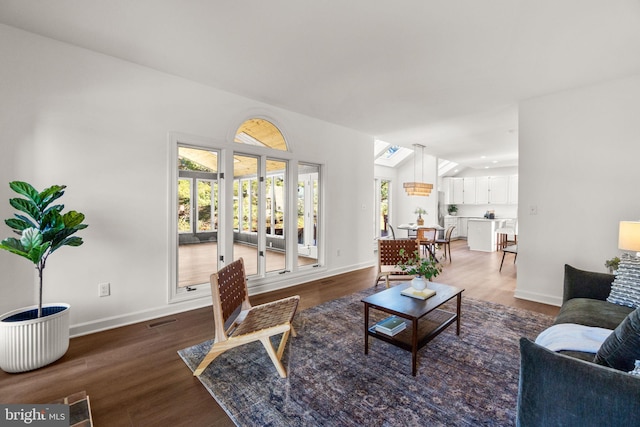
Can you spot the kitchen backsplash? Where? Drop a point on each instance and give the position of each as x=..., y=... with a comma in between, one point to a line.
x=501, y=211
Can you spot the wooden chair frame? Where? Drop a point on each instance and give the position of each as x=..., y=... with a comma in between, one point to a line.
x=446, y=241
x=426, y=236
x=247, y=323
x=389, y=257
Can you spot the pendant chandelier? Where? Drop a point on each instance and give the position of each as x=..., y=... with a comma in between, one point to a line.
x=416, y=188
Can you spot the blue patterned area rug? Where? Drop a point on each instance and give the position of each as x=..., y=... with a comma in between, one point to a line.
x=465, y=380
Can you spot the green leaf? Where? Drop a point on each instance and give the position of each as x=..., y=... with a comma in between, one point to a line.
x=36, y=253
x=14, y=246
x=54, y=208
x=52, y=219
x=26, y=206
x=26, y=190
x=58, y=239
x=20, y=223
x=72, y=241
x=31, y=237
x=50, y=194
x=73, y=219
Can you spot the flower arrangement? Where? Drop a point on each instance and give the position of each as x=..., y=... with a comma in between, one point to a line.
x=612, y=264
x=419, y=211
x=415, y=265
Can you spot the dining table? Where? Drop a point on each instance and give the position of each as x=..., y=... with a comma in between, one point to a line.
x=412, y=230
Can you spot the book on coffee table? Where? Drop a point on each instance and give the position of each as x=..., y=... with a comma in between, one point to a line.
x=414, y=293
x=391, y=325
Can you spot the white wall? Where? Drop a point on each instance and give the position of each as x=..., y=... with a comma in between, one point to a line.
x=100, y=126
x=579, y=152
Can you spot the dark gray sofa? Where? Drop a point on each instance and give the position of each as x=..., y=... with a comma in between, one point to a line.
x=568, y=388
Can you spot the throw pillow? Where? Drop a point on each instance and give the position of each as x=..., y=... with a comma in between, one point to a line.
x=625, y=289
x=622, y=348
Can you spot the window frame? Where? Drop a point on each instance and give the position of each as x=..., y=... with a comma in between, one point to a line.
x=226, y=149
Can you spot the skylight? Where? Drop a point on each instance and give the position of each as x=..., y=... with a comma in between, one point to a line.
x=390, y=155
x=391, y=151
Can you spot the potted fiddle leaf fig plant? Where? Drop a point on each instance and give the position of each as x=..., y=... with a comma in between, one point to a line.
x=32, y=337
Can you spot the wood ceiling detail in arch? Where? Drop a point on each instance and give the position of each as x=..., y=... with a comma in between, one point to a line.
x=204, y=158
x=247, y=167
x=263, y=132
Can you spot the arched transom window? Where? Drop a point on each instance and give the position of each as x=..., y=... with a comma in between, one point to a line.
x=262, y=133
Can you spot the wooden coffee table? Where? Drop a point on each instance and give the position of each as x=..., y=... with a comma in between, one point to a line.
x=425, y=319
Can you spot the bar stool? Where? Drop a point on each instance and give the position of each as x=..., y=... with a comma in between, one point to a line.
x=507, y=229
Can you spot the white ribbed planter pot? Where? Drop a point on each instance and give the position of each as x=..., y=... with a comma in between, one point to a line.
x=31, y=344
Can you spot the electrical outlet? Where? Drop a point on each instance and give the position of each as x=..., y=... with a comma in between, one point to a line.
x=104, y=289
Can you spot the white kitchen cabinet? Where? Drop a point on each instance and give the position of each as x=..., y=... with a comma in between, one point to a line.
x=463, y=191
x=457, y=191
x=491, y=190
x=482, y=190
x=513, y=189
x=498, y=190
x=469, y=191
x=462, y=227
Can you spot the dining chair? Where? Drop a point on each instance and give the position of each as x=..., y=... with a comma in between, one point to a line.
x=393, y=233
x=236, y=322
x=426, y=239
x=445, y=242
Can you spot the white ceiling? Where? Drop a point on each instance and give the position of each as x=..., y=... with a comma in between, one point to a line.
x=447, y=74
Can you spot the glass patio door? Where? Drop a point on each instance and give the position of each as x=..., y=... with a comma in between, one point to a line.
x=198, y=207
x=308, y=207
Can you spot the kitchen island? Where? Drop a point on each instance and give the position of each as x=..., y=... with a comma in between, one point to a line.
x=482, y=234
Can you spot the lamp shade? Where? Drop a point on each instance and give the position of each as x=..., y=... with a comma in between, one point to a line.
x=629, y=236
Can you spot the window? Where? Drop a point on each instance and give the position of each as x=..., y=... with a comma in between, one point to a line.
x=275, y=216
x=382, y=203
x=308, y=213
x=253, y=212
x=197, y=213
x=262, y=133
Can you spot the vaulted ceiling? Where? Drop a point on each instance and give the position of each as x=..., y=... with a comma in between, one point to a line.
x=447, y=74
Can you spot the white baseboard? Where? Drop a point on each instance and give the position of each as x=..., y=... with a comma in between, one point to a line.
x=204, y=301
x=303, y=277
x=136, y=317
x=536, y=297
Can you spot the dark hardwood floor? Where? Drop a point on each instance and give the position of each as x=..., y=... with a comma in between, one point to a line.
x=134, y=376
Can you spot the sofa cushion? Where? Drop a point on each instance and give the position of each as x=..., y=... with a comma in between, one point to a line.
x=591, y=312
x=622, y=348
x=586, y=284
x=625, y=289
